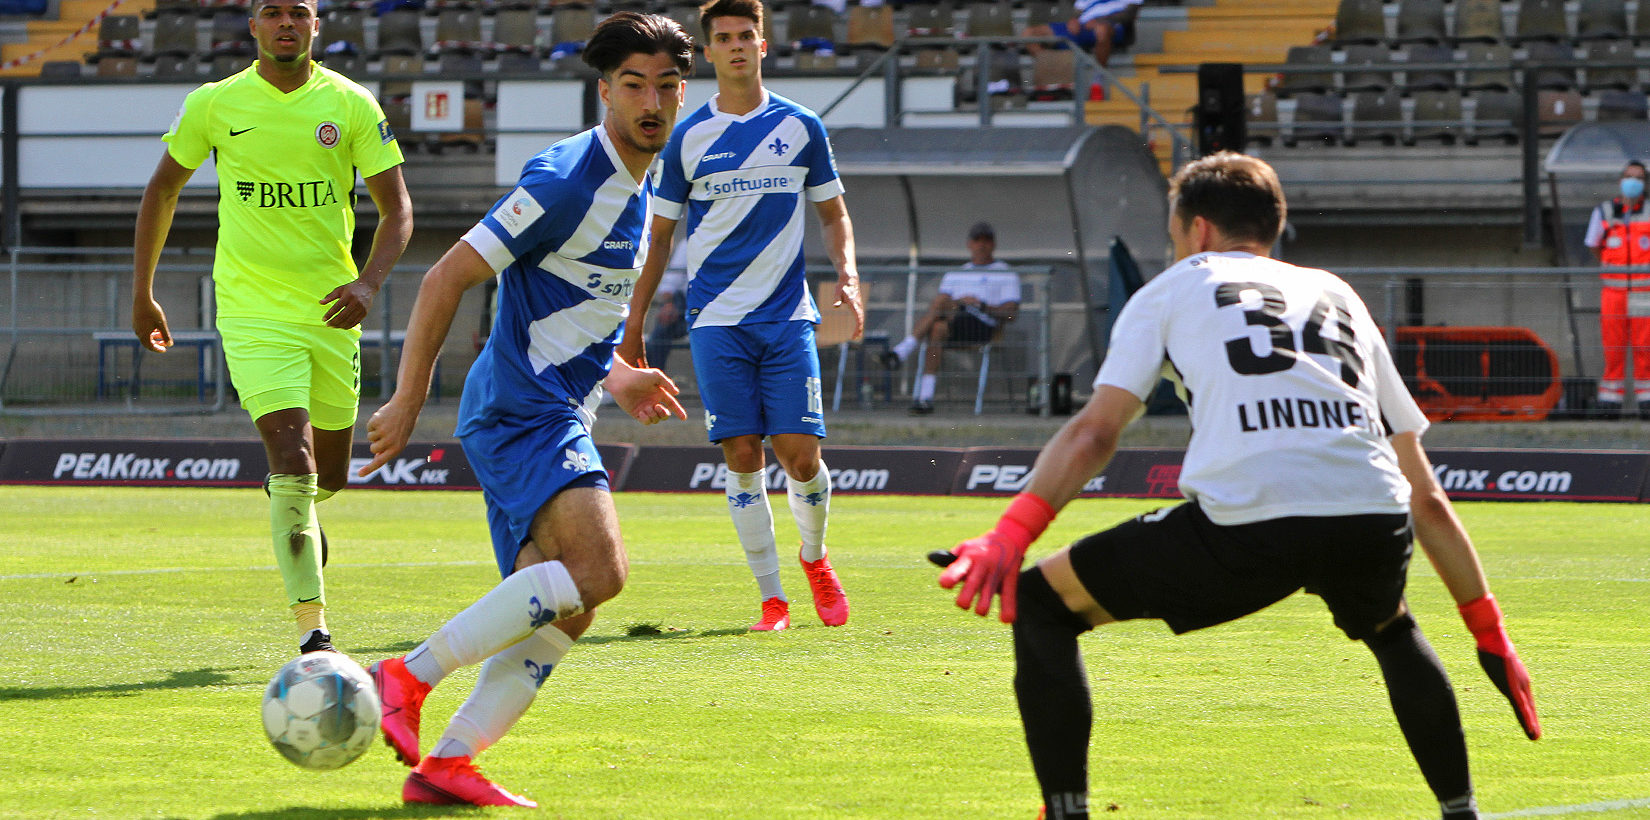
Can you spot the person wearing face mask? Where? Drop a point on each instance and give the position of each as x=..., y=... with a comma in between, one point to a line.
x=1619, y=234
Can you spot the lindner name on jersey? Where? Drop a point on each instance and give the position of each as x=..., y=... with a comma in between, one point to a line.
x=1293, y=413
x=313, y=193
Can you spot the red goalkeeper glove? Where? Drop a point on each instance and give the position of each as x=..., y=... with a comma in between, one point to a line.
x=1500, y=660
x=989, y=566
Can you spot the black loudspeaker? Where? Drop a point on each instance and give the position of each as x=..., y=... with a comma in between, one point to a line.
x=1219, y=115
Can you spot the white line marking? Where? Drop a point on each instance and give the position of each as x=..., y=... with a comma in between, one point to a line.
x=1585, y=808
x=92, y=573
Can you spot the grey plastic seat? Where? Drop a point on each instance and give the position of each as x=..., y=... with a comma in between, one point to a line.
x=1479, y=21
x=1360, y=21
x=1601, y=20
x=1541, y=20
x=1428, y=79
x=1376, y=116
x=1437, y=117
x=1421, y=21
x=1623, y=74
x=1366, y=68
x=1308, y=82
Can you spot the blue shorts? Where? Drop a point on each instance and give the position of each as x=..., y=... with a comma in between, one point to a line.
x=521, y=464
x=1083, y=38
x=759, y=379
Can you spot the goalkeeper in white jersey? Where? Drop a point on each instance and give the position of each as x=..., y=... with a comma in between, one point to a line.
x=1304, y=471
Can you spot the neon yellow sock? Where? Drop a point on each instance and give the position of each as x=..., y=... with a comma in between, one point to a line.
x=296, y=535
x=322, y=494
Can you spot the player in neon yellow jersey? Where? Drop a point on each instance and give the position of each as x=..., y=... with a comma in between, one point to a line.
x=288, y=137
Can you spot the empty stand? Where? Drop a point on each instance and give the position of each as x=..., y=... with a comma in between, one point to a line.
x=1367, y=68
x=570, y=26
x=1622, y=105
x=1308, y=82
x=1428, y=79
x=400, y=32
x=1616, y=69
x=1262, y=127
x=870, y=32
x=1495, y=115
x=930, y=20
x=1485, y=54
x=517, y=30
x=1436, y=117
x=1601, y=20
x=1360, y=21
x=1541, y=20
x=179, y=66
x=1552, y=78
x=174, y=36
x=458, y=31
x=1479, y=21
x=61, y=69
x=1421, y=21
x=119, y=36
x=1376, y=116
x=992, y=18
x=1558, y=110
x=231, y=37
x=347, y=26
x=1318, y=118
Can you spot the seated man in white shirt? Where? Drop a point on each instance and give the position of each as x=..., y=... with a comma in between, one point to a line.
x=972, y=307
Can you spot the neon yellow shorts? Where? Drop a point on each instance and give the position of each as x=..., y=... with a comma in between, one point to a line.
x=280, y=366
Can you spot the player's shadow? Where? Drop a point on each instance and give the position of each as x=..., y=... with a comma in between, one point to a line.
x=311, y=813
x=191, y=679
x=388, y=650
x=664, y=635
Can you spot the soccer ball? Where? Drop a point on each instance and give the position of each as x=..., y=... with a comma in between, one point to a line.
x=321, y=710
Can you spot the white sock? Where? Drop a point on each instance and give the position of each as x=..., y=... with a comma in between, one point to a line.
x=506, y=687
x=753, y=521
x=810, y=506
x=925, y=387
x=527, y=600
x=905, y=348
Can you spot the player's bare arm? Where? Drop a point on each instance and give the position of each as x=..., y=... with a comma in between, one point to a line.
x=838, y=231
x=1443, y=537
x=631, y=347
x=390, y=428
x=154, y=222
x=647, y=394
x=350, y=302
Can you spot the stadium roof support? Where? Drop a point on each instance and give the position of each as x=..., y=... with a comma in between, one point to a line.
x=1054, y=194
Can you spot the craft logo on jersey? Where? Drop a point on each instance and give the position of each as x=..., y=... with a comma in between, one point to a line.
x=327, y=134
x=778, y=147
x=311, y=194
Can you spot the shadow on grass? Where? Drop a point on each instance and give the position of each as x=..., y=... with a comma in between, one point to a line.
x=310, y=813
x=177, y=680
x=663, y=635
x=366, y=654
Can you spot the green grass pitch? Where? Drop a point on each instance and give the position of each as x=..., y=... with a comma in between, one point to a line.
x=140, y=626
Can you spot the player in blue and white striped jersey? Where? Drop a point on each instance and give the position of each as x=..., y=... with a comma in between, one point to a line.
x=567, y=245
x=738, y=171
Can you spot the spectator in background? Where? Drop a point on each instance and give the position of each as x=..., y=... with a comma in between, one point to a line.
x=1100, y=26
x=973, y=305
x=1619, y=233
x=670, y=318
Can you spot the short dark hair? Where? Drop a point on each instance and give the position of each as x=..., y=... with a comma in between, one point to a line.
x=1237, y=193
x=982, y=230
x=1632, y=163
x=748, y=9
x=628, y=33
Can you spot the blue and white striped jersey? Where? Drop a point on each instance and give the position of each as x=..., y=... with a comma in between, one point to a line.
x=569, y=243
x=739, y=184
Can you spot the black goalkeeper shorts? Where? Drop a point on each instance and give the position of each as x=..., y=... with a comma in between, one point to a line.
x=1178, y=566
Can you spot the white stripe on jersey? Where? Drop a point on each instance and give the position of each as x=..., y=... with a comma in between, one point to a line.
x=609, y=203
x=558, y=338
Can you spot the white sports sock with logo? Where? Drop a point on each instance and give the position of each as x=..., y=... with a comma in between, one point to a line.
x=506, y=687
x=810, y=506
x=753, y=522
x=532, y=597
x=905, y=347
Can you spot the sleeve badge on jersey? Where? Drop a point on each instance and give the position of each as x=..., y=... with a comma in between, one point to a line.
x=385, y=135
x=517, y=211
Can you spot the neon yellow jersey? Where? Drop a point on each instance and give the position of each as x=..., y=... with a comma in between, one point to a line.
x=286, y=168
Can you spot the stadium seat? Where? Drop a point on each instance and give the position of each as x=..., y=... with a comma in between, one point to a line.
x=223, y=65
x=1052, y=73
x=1552, y=78
x=870, y=32
x=570, y=26
x=1360, y=21
x=1541, y=20
x=1263, y=119
x=119, y=35
x=1498, y=54
x=1622, y=106
x=1426, y=79
x=1641, y=23
x=1624, y=74
x=174, y=36
x=516, y=30
x=1479, y=21
x=114, y=67
x=1558, y=110
x=518, y=62
x=811, y=30
x=230, y=35
x=353, y=66
x=1318, y=118
x=176, y=66
x=61, y=68
x=1436, y=117
x=1308, y=82
x=400, y=32
x=1042, y=12
x=458, y=30
x=1601, y=20
x=930, y=20
x=1376, y=116
x=1496, y=115
x=189, y=7
x=686, y=15
x=1421, y=21
x=990, y=19
x=402, y=64
x=1366, y=68
x=348, y=26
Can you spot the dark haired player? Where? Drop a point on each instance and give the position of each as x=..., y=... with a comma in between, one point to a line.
x=567, y=245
